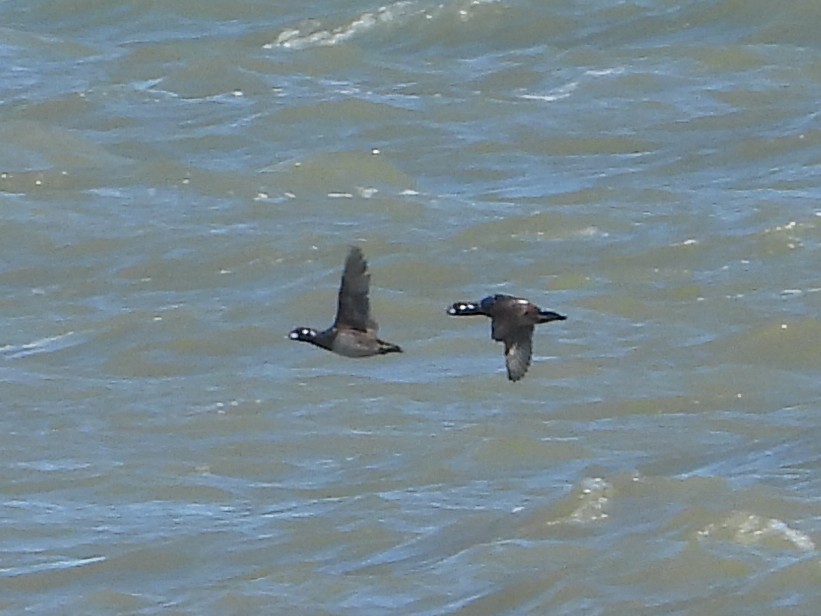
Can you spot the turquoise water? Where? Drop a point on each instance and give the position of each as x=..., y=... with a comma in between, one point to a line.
x=179, y=183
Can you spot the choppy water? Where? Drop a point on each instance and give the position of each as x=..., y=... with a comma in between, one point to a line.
x=180, y=182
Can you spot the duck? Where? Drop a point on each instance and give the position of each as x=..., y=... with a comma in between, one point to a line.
x=353, y=332
x=512, y=322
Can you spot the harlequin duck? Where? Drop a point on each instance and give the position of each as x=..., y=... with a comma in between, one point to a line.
x=353, y=333
x=513, y=319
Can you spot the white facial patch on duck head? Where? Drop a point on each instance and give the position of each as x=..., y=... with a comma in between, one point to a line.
x=303, y=332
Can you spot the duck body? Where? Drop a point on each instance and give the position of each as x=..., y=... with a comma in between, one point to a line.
x=353, y=332
x=345, y=342
x=512, y=322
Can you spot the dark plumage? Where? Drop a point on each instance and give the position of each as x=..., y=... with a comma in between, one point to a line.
x=513, y=319
x=353, y=333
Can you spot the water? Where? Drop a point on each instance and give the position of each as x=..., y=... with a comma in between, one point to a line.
x=180, y=182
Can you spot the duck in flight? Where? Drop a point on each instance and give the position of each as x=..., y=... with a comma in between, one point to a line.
x=512, y=322
x=353, y=333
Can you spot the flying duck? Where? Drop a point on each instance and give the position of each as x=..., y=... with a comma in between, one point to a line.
x=353, y=333
x=512, y=322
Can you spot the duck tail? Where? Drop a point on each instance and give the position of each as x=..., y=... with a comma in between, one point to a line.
x=546, y=316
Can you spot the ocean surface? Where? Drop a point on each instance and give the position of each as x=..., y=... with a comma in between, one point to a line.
x=179, y=184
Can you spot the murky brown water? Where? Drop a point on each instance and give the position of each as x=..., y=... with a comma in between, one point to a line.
x=180, y=184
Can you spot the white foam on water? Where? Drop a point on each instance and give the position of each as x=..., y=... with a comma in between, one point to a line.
x=746, y=528
x=43, y=345
x=311, y=33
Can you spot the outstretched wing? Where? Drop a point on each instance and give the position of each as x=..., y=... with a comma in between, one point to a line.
x=353, y=308
x=518, y=351
x=504, y=329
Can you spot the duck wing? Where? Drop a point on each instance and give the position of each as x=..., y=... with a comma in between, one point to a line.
x=503, y=329
x=518, y=351
x=353, y=308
